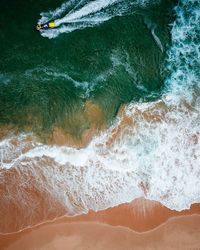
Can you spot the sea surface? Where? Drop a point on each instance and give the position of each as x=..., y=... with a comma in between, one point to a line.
x=99, y=111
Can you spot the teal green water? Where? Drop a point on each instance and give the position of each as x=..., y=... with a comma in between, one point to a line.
x=45, y=82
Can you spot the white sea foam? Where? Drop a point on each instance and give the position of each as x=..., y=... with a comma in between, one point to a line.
x=156, y=159
x=183, y=60
x=82, y=14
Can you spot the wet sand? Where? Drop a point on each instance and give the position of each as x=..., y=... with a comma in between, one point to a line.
x=140, y=215
x=107, y=228
x=178, y=233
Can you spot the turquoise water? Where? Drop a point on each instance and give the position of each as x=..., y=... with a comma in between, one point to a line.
x=44, y=82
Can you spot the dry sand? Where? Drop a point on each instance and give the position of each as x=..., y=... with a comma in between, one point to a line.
x=178, y=233
x=114, y=228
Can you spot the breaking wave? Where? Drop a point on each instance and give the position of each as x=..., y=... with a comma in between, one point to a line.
x=152, y=150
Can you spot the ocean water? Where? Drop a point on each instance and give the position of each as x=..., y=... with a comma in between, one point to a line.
x=102, y=109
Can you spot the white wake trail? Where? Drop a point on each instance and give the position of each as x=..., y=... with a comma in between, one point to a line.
x=163, y=156
x=82, y=14
x=88, y=9
x=157, y=157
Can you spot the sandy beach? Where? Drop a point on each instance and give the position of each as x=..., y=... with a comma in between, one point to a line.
x=100, y=125
x=140, y=225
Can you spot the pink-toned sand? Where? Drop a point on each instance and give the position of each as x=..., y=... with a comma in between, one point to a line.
x=178, y=233
x=114, y=228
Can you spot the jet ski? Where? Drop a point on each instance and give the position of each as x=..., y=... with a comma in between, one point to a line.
x=45, y=26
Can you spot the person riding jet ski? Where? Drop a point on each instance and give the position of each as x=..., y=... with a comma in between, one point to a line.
x=45, y=26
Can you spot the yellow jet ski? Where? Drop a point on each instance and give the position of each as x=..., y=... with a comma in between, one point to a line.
x=45, y=26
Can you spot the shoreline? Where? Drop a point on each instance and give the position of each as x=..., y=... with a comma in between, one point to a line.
x=139, y=217
x=86, y=235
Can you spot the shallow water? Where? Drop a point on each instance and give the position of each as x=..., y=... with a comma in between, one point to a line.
x=101, y=110
x=45, y=83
